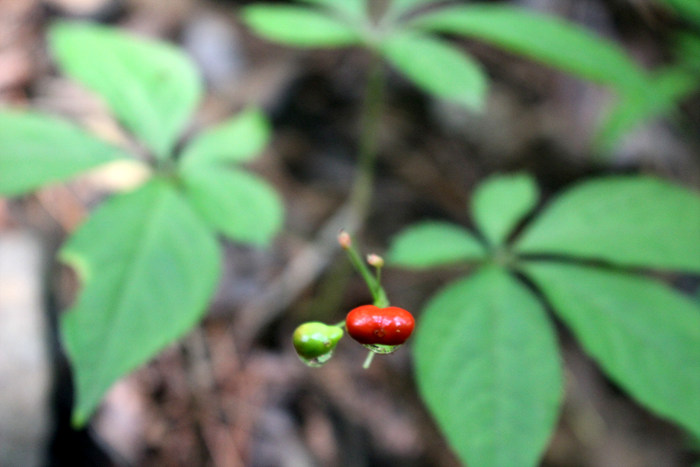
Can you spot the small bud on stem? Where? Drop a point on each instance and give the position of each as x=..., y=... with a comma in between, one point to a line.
x=375, y=260
x=344, y=240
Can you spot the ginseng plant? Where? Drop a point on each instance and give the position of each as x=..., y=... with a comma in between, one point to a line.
x=487, y=362
x=148, y=259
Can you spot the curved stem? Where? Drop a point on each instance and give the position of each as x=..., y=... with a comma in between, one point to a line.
x=375, y=287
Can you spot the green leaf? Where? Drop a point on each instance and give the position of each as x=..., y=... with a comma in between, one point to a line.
x=500, y=202
x=437, y=67
x=299, y=26
x=353, y=9
x=686, y=50
x=428, y=244
x=631, y=221
x=151, y=86
x=239, y=139
x=149, y=267
x=400, y=7
x=687, y=9
x=235, y=202
x=37, y=149
x=659, y=99
x=643, y=334
x=550, y=40
x=487, y=366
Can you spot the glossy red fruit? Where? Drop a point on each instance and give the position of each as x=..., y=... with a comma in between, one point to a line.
x=371, y=325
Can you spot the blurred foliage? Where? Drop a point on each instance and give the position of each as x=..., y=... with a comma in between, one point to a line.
x=487, y=362
x=149, y=260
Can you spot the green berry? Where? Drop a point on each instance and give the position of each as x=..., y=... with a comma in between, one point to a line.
x=314, y=342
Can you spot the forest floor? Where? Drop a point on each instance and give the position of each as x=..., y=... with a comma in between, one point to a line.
x=233, y=393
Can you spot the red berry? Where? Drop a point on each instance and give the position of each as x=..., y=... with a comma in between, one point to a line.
x=371, y=325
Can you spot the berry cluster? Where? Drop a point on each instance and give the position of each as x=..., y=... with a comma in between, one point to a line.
x=379, y=327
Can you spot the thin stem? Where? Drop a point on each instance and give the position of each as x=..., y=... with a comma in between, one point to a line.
x=361, y=267
x=375, y=288
x=368, y=360
x=361, y=194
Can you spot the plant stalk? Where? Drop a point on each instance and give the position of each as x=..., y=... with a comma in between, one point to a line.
x=362, y=189
x=368, y=360
x=375, y=287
